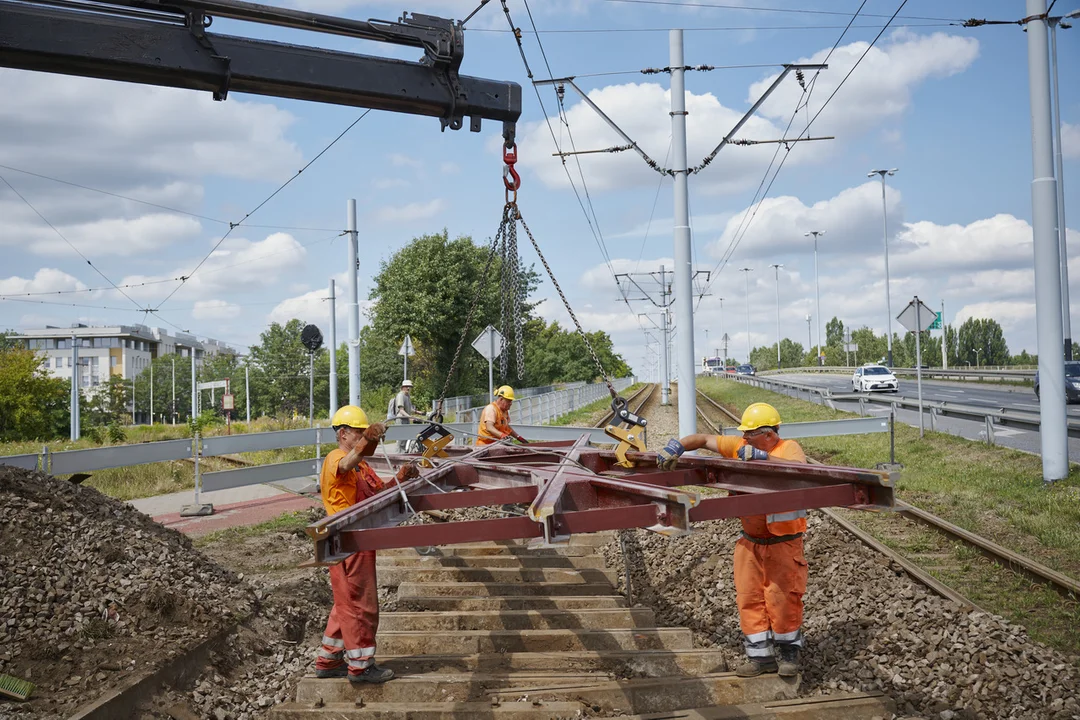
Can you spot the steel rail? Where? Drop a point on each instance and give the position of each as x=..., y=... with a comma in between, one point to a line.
x=1061, y=583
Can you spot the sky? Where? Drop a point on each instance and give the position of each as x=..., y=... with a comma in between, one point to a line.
x=947, y=106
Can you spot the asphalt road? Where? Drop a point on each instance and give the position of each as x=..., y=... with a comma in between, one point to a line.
x=966, y=393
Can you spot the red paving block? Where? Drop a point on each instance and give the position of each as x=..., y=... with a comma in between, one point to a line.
x=249, y=512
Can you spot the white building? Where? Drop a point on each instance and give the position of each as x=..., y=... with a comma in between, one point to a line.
x=117, y=350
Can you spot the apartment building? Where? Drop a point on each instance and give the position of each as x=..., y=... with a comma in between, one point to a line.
x=116, y=350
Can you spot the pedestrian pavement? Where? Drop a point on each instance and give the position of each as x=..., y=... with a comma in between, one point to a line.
x=233, y=507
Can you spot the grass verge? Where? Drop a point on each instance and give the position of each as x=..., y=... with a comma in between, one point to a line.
x=992, y=491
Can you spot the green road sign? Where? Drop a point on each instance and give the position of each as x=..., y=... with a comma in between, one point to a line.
x=937, y=322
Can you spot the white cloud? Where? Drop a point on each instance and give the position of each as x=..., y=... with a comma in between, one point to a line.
x=400, y=160
x=390, y=183
x=108, y=236
x=881, y=85
x=1070, y=141
x=214, y=310
x=314, y=307
x=411, y=211
x=45, y=280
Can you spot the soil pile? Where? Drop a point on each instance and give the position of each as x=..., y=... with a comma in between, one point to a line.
x=93, y=591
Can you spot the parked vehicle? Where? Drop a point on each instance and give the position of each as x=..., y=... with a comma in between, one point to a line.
x=874, y=377
x=1072, y=382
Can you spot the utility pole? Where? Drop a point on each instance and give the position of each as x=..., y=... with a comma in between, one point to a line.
x=684, y=260
x=151, y=391
x=247, y=391
x=747, y=272
x=680, y=172
x=174, y=387
x=74, y=413
x=1066, y=320
x=723, y=335
x=1044, y=215
x=885, y=232
x=944, y=339
x=354, y=310
x=809, y=332
x=333, y=350
x=133, y=397
x=776, y=268
x=194, y=386
x=643, y=291
x=817, y=291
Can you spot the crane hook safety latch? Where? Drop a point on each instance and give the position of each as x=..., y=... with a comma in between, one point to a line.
x=511, y=179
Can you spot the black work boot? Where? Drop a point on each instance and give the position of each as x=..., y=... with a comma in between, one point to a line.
x=753, y=668
x=335, y=672
x=789, y=660
x=373, y=674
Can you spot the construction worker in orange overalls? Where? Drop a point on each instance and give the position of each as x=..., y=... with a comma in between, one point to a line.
x=770, y=568
x=348, y=644
x=495, y=419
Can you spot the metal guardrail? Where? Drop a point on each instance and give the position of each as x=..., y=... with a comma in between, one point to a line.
x=541, y=409
x=26, y=462
x=933, y=373
x=990, y=417
x=826, y=428
x=89, y=460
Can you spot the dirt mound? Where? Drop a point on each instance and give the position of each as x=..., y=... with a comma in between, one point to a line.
x=93, y=591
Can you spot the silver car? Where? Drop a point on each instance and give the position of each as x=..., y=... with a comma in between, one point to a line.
x=870, y=378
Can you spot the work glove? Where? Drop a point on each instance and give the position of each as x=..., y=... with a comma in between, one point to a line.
x=668, y=458
x=407, y=472
x=520, y=439
x=749, y=452
x=374, y=432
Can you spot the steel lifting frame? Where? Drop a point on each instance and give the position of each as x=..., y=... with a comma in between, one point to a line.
x=572, y=487
x=165, y=42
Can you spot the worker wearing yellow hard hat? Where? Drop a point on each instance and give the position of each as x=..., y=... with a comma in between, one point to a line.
x=495, y=419
x=348, y=643
x=770, y=567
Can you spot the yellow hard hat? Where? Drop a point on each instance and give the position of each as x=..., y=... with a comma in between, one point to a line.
x=505, y=391
x=759, y=415
x=350, y=416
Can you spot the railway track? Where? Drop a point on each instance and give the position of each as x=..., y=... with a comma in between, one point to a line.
x=511, y=630
x=919, y=541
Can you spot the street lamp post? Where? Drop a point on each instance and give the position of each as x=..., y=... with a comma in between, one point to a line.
x=885, y=232
x=809, y=332
x=723, y=361
x=776, y=268
x=747, y=276
x=976, y=351
x=1066, y=320
x=817, y=293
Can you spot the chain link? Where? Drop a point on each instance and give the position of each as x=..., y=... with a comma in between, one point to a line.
x=566, y=304
x=510, y=288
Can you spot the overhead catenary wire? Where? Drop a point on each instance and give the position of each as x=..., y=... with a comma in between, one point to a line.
x=748, y=218
x=754, y=8
x=728, y=28
x=233, y=226
x=153, y=204
x=68, y=242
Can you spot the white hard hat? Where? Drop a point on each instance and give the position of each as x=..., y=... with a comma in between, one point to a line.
x=406, y=383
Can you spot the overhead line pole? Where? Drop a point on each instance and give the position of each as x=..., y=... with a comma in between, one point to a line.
x=776, y=267
x=747, y=276
x=1066, y=319
x=354, y=309
x=333, y=350
x=1052, y=430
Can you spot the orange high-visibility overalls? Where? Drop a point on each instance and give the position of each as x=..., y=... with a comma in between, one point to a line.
x=770, y=568
x=501, y=418
x=354, y=618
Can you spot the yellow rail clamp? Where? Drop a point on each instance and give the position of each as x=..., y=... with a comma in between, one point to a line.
x=631, y=435
x=434, y=438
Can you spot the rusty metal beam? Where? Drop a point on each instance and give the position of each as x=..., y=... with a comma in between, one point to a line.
x=577, y=488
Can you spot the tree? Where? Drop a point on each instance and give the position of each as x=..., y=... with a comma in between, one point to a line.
x=834, y=333
x=981, y=342
x=425, y=290
x=281, y=380
x=554, y=354
x=33, y=406
x=108, y=403
x=871, y=347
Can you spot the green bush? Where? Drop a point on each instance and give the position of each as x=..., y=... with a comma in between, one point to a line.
x=117, y=434
x=95, y=434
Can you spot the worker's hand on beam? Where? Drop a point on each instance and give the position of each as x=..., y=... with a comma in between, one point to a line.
x=668, y=458
x=749, y=452
x=407, y=472
x=520, y=439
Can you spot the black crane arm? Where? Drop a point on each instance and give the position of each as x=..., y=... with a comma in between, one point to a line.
x=166, y=43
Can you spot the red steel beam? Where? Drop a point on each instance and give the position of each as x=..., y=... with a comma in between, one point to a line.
x=474, y=498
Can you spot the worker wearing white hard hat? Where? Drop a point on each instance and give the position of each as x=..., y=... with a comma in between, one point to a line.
x=401, y=408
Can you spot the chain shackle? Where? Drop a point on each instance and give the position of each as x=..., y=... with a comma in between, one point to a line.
x=511, y=179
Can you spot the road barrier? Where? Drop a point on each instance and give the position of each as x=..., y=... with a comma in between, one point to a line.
x=1000, y=374
x=990, y=417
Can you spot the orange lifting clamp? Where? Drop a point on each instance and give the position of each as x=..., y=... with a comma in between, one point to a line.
x=631, y=434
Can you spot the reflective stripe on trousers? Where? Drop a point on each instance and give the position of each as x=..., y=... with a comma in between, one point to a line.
x=770, y=581
x=354, y=618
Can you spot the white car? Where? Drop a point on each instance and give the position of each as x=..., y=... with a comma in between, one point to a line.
x=874, y=377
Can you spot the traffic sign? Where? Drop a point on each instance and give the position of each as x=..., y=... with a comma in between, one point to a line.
x=489, y=343
x=407, y=347
x=936, y=325
x=227, y=402
x=916, y=316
